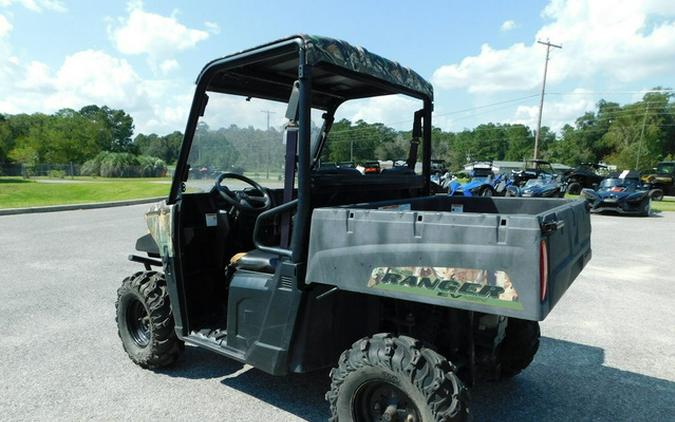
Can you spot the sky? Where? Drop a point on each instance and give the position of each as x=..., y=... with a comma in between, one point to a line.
x=481, y=56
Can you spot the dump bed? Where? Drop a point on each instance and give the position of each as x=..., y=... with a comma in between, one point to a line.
x=506, y=256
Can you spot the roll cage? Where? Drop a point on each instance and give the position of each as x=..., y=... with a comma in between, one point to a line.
x=307, y=72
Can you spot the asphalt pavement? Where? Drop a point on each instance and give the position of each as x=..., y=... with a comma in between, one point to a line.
x=607, y=352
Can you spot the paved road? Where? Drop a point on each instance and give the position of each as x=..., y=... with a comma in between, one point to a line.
x=608, y=351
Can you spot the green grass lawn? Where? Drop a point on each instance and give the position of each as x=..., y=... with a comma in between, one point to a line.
x=16, y=192
x=668, y=204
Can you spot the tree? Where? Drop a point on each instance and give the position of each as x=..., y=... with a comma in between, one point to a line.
x=637, y=133
x=166, y=147
x=121, y=126
x=519, y=141
x=6, y=139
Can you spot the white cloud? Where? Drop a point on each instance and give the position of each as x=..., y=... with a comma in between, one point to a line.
x=155, y=35
x=86, y=77
x=515, y=68
x=168, y=65
x=508, y=25
x=557, y=113
x=5, y=26
x=212, y=27
x=37, y=77
x=91, y=77
x=620, y=41
x=37, y=5
x=393, y=110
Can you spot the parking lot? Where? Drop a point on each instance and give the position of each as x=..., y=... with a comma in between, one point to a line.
x=607, y=352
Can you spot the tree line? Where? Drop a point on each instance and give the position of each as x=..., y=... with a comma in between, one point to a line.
x=631, y=136
x=635, y=135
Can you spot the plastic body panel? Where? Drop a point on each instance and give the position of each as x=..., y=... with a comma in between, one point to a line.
x=494, y=235
x=261, y=315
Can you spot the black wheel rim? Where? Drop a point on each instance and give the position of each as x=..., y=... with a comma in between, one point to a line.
x=379, y=400
x=138, y=323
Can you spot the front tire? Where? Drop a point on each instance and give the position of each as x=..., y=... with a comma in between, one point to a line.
x=574, y=188
x=486, y=192
x=656, y=194
x=145, y=322
x=647, y=208
x=395, y=378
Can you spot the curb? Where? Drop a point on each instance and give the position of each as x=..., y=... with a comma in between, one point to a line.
x=71, y=207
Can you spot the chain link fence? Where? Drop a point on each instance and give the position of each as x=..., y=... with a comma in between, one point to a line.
x=66, y=171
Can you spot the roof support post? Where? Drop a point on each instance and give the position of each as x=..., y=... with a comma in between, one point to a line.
x=426, y=145
x=303, y=214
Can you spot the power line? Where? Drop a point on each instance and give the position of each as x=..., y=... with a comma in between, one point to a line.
x=486, y=105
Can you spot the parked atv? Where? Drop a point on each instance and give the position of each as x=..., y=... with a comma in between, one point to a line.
x=532, y=169
x=544, y=186
x=623, y=195
x=440, y=183
x=483, y=183
x=408, y=296
x=662, y=181
x=585, y=176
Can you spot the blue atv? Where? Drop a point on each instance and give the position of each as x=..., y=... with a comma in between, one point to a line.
x=624, y=194
x=483, y=183
x=544, y=186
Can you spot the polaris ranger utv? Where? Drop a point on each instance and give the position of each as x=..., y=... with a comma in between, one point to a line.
x=408, y=296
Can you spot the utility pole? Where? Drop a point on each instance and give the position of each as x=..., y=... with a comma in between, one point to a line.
x=268, y=112
x=543, y=89
x=642, y=135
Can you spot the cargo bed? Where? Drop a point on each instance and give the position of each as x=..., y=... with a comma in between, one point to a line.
x=506, y=256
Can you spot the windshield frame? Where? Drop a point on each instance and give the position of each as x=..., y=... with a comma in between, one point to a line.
x=665, y=168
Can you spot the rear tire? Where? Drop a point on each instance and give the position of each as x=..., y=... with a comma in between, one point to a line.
x=145, y=322
x=391, y=377
x=486, y=192
x=656, y=194
x=519, y=346
x=574, y=188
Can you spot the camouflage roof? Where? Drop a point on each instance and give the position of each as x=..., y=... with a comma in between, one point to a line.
x=358, y=59
x=340, y=53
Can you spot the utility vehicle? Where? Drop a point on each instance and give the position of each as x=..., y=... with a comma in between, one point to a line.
x=408, y=296
x=531, y=170
x=662, y=181
x=584, y=176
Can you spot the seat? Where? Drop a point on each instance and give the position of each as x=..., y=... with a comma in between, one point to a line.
x=256, y=260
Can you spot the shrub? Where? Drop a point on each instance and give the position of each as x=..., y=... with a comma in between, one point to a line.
x=123, y=164
x=56, y=174
x=27, y=171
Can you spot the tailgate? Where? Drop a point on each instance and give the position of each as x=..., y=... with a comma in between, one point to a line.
x=488, y=262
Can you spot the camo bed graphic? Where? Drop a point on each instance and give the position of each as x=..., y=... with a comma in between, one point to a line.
x=492, y=288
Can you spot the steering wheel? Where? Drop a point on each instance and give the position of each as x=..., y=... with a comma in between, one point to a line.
x=240, y=199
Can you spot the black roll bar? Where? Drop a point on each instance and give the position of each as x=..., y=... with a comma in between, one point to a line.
x=288, y=206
